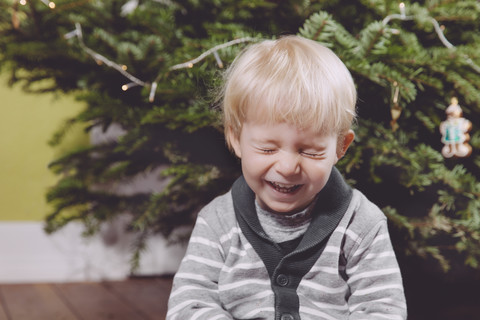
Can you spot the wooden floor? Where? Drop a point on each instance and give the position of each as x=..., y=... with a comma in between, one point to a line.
x=136, y=298
x=146, y=299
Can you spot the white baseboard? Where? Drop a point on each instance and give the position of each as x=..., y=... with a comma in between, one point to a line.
x=28, y=254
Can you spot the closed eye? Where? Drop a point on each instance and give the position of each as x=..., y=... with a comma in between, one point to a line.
x=313, y=155
x=266, y=150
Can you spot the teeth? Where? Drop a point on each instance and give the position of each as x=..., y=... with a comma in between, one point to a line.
x=284, y=188
x=281, y=185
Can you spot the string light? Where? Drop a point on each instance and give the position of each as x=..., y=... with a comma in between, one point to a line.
x=401, y=16
x=402, y=9
x=127, y=86
x=189, y=64
x=217, y=58
x=99, y=58
x=137, y=82
x=438, y=29
x=151, y=97
x=71, y=34
x=49, y=4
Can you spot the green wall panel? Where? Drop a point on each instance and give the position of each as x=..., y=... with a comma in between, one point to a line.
x=27, y=122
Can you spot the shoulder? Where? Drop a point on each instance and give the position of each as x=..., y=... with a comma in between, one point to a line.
x=219, y=211
x=214, y=225
x=363, y=213
x=363, y=219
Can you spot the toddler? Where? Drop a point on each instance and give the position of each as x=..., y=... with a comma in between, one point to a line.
x=290, y=240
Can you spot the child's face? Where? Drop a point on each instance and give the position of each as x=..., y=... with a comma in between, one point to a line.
x=284, y=166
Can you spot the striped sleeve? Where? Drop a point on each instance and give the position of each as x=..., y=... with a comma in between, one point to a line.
x=374, y=277
x=195, y=292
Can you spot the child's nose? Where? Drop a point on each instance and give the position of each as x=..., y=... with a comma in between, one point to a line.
x=288, y=163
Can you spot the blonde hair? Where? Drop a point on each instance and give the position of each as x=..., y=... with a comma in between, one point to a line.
x=293, y=80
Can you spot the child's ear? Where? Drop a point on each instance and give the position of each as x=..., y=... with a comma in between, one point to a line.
x=234, y=142
x=343, y=145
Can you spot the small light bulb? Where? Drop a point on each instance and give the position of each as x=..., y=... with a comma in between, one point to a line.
x=217, y=58
x=402, y=9
x=151, y=97
x=23, y=2
x=127, y=86
x=124, y=67
x=51, y=5
x=190, y=65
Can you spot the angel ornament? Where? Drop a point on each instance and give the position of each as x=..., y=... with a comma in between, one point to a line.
x=455, y=132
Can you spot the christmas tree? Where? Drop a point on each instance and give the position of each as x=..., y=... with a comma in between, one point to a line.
x=151, y=68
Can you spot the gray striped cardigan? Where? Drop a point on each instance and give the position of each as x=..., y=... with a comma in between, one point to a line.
x=343, y=268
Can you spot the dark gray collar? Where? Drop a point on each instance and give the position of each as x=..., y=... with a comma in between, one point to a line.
x=291, y=267
x=330, y=207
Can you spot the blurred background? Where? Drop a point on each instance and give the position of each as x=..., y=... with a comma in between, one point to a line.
x=27, y=123
x=111, y=139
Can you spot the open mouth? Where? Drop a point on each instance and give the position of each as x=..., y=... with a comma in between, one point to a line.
x=284, y=188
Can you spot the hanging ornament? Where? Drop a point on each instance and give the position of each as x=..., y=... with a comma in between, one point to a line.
x=15, y=20
x=455, y=132
x=15, y=15
x=395, y=109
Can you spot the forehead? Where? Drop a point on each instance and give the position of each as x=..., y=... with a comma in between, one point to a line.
x=258, y=130
x=298, y=114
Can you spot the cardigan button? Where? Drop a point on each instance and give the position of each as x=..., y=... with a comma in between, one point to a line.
x=287, y=316
x=282, y=280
